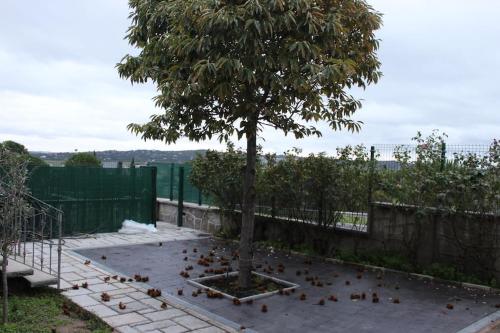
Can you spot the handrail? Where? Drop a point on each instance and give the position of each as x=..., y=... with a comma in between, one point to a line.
x=40, y=234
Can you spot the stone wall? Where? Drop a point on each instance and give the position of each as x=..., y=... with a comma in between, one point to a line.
x=471, y=242
x=203, y=218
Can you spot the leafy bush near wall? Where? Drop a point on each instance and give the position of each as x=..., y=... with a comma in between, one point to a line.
x=312, y=188
x=321, y=188
x=220, y=176
x=467, y=182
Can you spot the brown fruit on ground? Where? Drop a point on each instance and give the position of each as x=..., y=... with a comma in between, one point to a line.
x=105, y=297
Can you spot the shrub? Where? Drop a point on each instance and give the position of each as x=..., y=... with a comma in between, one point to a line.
x=83, y=160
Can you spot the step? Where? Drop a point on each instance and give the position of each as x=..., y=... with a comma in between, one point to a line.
x=16, y=269
x=40, y=279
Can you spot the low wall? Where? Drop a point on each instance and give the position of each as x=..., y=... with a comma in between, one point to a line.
x=203, y=218
x=471, y=242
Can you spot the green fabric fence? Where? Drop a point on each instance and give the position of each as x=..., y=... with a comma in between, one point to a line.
x=97, y=199
x=167, y=183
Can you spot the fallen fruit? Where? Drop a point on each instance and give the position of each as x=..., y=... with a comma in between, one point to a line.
x=449, y=306
x=263, y=308
x=154, y=292
x=122, y=306
x=355, y=296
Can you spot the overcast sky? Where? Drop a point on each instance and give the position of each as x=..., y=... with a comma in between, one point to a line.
x=60, y=91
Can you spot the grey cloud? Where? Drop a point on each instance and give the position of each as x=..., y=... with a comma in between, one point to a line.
x=60, y=90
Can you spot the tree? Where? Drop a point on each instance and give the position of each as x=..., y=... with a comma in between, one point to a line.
x=18, y=148
x=83, y=159
x=231, y=67
x=13, y=176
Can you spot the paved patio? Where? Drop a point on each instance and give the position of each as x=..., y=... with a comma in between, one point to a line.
x=422, y=304
x=142, y=313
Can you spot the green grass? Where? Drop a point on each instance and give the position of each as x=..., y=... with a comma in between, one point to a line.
x=40, y=310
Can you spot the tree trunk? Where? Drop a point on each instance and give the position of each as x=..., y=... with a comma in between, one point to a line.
x=248, y=215
x=5, y=289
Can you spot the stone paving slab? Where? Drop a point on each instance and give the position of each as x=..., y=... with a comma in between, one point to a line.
x=142, y=313
x=422, y=306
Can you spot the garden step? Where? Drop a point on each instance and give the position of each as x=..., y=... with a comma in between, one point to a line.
x=40, y=279
x=16, y=269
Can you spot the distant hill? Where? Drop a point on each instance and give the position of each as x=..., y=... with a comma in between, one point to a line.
x=139, y=156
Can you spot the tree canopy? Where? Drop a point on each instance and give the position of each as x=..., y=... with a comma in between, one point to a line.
x=225, y=67
x=83, y=159
x=21, y=150
x=221, y=66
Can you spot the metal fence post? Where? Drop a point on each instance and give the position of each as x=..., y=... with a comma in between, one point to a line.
x=372, y=171
x=180, y=199
x=154, y=212
x=59, y=248
x=370, y=189
x=171, y=181
x=443, y=156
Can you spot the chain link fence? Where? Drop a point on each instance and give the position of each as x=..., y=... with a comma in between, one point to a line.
x=431, y=174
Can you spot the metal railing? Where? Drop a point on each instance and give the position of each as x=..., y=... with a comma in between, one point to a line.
x=39, y=242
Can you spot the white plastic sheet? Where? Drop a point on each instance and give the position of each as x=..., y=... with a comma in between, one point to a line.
x=132, y=227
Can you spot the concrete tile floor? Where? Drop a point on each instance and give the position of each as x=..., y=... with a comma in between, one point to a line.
x=422, y=305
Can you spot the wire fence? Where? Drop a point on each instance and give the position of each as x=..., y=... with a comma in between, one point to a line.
x=427, y=174
x=388, y=155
